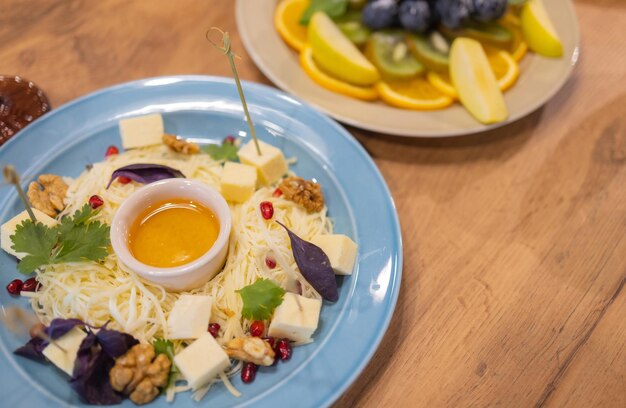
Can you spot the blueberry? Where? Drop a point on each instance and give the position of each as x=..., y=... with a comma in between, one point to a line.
x=454, y=13
x=488, y=10
x=416, y=15
x=378, y=14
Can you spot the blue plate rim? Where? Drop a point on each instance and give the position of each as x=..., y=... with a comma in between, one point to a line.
x=395, y=284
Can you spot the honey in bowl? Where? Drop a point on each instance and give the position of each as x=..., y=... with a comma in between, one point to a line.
x=173, y=232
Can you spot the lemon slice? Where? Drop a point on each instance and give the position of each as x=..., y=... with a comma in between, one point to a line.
x=475, y=82
x=287, y=22
x=538, y=30
x=415, y=93
x=336, y=55
x=332, y=84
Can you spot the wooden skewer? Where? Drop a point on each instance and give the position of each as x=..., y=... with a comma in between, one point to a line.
x=19, y=321
x=11, y=177
x=225, y=49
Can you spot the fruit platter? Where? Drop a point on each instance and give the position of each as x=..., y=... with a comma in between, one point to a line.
x=415, y=67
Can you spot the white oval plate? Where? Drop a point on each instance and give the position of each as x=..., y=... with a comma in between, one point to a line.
x=540, y=78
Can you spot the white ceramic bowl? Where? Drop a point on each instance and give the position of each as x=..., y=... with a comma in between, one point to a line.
x=183, y=277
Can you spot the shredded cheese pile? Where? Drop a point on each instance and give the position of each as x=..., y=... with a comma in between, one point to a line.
x=108, y=292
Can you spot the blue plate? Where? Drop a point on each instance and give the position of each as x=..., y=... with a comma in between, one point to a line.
x=68, y=138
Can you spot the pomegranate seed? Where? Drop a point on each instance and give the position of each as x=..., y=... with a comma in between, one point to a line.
x=277, y=193
x=124, y=179
x=30, y=285
x=230, y=139
x=257, y=328
x=283, y=349
x=111, y=150
x=95, y=201
x=248, y=372
x=214, y=329
x=267, y=210
x=270, y=340
x=15, y=287
x=270, y=262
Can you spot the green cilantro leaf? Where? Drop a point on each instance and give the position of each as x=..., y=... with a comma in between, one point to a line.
x=72, y=240
x=83, y=242
x=162, y=346
x=35, y=239
x=333, y=8
x=225, y=151
x=260, y=299
x=81, y=216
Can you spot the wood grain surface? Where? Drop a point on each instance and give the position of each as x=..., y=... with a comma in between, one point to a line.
x=513, y=288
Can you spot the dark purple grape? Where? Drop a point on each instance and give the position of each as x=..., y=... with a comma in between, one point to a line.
x=488, y=10
x=454, y=13
x=416, y=15
x=379, y=14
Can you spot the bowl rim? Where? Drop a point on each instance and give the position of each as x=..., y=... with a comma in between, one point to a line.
x=119, y=241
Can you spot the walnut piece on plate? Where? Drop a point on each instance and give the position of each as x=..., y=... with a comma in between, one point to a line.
x=303, y=192
x=180, y=145
x=252, y=349
x=47, y=194
x=139, y=374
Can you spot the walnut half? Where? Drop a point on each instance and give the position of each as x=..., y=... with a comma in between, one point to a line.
x=47, y=194
x=252, y=349
x=306, y=193
x=139, y=375
x=180, y=145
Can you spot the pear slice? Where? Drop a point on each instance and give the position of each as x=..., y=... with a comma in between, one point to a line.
x=475, y=82
x=539, y=31
x=336, y=54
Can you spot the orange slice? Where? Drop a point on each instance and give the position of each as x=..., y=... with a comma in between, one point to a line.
x=502, y=64
x=286, y=21
x=504, y=68
x=322, y=78
x=518, y=47
x=510, y=19
x=415, y=93
x=442, y=82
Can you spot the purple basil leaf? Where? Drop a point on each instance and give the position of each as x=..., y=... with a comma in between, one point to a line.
x=33, y=350
x=59, y=327
x=314, y=266
x=90, y=378
x=145, y=173
x=115, y=343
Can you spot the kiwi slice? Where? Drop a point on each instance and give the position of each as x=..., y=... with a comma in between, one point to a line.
x=491, y=33
x=426, y=53
x=351, y=26
x=390, y=53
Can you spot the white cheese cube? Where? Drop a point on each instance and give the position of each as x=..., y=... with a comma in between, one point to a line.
x=238, y=182
x=296, y=318
x=8, y=229
x=340, y=249
x=271, y=164
x=70, y=342
x=201, y=361
x=189, y=317
x=142, y=131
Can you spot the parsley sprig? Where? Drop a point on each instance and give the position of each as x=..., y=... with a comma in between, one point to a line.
x=225, y=151
x=76, y=238
x=260, y=299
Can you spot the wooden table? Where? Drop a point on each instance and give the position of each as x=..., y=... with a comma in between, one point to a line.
x=515, y=257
